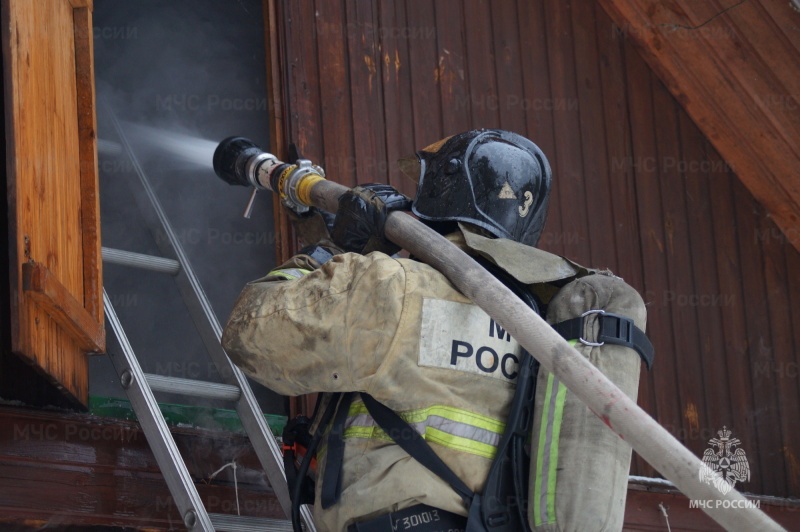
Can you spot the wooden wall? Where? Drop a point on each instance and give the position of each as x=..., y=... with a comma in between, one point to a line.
x=637, y=188
x=736, y=69
x=112, y=479
x=66, y=472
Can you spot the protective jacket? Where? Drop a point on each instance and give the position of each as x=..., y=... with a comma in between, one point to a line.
x=398, y=330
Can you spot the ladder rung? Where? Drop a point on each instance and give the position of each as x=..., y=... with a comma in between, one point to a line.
x=209, y=390
x=140, y=260
x=237, y=523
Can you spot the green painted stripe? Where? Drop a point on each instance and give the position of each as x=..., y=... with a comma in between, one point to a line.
x=185, y=415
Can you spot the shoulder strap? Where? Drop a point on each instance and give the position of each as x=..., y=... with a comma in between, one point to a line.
x=506, y=491
x=302, y=472
x=332, y=477
x=411, y=442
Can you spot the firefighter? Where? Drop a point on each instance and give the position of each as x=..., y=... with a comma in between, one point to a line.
x=420, y=382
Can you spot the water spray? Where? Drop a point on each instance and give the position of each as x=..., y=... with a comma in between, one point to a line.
x=302, y=185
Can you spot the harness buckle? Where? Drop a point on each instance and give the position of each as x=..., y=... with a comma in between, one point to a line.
x=584, y=341
x=611, y=329
x=619, y=329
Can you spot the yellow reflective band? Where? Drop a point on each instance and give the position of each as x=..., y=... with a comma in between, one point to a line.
x=459, y=443
x=538, y=519
x=544, y=492
x=561, y=398
x=289, y=273
x=305, y=185
x=450, y=427
x=431, y=434
x=455, y=414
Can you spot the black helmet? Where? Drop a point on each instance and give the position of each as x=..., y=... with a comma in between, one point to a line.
x=495, y=179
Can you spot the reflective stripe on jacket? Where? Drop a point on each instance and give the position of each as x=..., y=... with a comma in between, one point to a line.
x=288, y=273
x=457, y=429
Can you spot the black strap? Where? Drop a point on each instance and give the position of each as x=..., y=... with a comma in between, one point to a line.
x=302, y=472
x=332, y=479
x=614, y=329
x=296, y=432
x=505, y=493
x=418, y=518
x=411, y=442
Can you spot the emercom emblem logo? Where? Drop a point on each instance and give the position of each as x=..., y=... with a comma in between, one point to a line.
x=724, y=462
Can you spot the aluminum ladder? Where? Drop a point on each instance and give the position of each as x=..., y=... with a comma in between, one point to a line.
x=140, y=386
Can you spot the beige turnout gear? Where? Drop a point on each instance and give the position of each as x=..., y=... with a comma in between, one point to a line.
x=398, y=330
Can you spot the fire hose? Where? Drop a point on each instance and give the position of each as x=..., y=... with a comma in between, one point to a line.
x=303, y=185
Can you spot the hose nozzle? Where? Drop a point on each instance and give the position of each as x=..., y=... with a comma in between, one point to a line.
x=238, y=161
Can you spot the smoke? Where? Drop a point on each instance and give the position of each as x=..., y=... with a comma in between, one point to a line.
x=178, y=76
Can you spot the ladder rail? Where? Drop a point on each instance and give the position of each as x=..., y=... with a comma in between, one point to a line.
x=210, y=331
x=155, y=429
x=170, y=246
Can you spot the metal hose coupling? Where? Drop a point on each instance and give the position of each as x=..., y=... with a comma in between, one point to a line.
x=239, y=161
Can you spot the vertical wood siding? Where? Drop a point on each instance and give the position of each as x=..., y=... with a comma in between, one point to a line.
x=637, y=188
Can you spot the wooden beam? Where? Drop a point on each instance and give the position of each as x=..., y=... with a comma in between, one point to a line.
x=83, y=470
x=46, y=290
x=716, y=63
x=64, y=470
x=643, y=510
x=274, y=41
x=89, y=175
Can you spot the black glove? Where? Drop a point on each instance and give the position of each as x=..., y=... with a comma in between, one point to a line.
x=362, y=216
x=312, y=226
